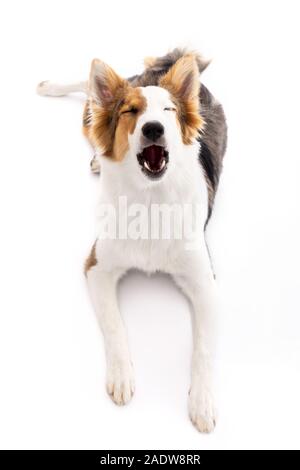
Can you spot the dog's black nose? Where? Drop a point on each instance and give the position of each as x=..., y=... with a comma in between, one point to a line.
x=153, y=130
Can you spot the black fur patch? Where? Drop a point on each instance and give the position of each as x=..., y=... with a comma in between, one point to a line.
x=207, y=163
x=211, y=175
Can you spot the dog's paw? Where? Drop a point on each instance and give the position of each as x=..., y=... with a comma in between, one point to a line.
x=95, y=165
x=120, y=381
x=201, y=409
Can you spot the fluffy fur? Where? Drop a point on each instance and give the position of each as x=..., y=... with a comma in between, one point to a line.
x=188, y=125
x=213, y=137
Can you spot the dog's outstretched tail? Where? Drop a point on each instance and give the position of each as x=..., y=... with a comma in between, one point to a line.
x=155, y=67
x=48, y=88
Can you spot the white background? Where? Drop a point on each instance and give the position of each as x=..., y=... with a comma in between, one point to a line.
x=52, y=361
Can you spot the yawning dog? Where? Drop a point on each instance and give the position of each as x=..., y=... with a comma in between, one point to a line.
x=159, y=139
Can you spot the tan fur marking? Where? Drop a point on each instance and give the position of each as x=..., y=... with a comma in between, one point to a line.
x=127, y=120
x=91, y=260
x=182, y=82
x=85, y=131
x=112, y=124
x=149, y=61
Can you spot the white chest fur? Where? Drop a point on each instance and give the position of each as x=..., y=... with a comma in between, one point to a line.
x=182, y=189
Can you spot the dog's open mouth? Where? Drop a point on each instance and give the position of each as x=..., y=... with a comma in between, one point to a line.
x=153, y=160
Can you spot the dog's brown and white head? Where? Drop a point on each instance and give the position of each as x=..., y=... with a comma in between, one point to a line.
x=144, y=127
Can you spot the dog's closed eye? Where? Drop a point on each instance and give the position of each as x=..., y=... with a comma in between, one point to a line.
x=131, y=110
x=170, y=109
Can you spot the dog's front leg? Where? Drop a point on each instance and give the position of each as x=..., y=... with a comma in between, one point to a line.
x=197, y=282
x=103, y=290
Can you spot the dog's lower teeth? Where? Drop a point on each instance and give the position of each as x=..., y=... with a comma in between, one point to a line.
x=163, y=163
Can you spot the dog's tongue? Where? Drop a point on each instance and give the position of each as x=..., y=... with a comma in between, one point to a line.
x=154, y=156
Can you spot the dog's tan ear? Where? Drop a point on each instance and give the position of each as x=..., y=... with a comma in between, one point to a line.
x=182, y=80
x=104, y=83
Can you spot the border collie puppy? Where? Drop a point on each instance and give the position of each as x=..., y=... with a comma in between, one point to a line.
x=159, y=139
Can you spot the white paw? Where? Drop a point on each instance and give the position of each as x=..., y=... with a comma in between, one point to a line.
x=201, y=409
x=120, y=381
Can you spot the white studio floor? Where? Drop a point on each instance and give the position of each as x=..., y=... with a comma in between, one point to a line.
x=52, y=366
